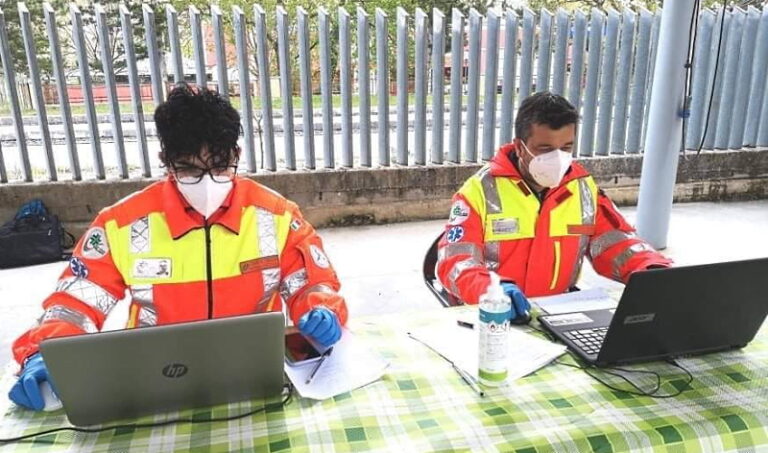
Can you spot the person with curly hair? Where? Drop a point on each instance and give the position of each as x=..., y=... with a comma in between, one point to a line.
x=203, y=243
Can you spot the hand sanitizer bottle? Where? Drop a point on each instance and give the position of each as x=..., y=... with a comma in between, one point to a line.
x=495, y=307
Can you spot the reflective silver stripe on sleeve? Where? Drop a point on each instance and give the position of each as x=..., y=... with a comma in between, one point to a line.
x=461, y=248
x=293, y=283
x=456, y=271
x=490, y=191
x=492, y=255
x=88, y=292
x=607, y=240
x=621, y=260
x=587, y=218
x=140, y=239
x=320, y=288
x=61, y=313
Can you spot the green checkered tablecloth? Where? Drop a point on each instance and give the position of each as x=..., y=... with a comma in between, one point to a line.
x=421, y=404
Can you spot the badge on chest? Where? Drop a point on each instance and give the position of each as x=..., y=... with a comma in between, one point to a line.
x=152, y=268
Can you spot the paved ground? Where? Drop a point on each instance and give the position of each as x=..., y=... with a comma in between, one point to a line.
x=380, y=266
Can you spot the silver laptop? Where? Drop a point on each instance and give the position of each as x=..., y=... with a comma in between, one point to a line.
x=126, y=374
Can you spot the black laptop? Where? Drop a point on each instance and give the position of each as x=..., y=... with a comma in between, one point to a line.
x=668, y=313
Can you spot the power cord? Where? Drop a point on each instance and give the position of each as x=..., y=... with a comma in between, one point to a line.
x=287, y=400
x=616, y=372
x=714, y=80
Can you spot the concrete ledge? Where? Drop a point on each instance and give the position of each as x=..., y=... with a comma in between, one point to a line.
x=396, y=194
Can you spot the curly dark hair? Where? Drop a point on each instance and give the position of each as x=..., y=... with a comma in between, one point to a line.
x=546, y=108
x=194, y=117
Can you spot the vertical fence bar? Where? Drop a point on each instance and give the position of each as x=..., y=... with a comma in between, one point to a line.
x=652, y=64
x=10, y=83
x=37, y=89
x=78, y=38
x=561, y=47
x=153, y=52
x=717, y=70
x=172, y=22
x=420, y=109
x=221, y=52
x=305, y=74
x=382, y=86
x=577, y=64
x=61, y=88
x=618, y=136
x=526, y=56
x=3, y=171
x=246, y=102
x=586, y=145
x=402, y=86
x=364, y=86
x=762, y=133
x=286, y=87
x=729, y=79
x=323, y=31
x=438, y=84
x=700, y=89
x=607, y=74
x=744, y=75
x=758, y=84
x=545, y=50
x=345, y=65
x=473, y=89
x=637, y=97
x=109, y=78
x=195, y=25
x=492, y=22
x=135, y=83
x=510, y=70
x=457, y=88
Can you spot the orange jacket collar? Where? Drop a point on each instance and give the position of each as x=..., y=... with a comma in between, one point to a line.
x=182, y=218
x=502, y=165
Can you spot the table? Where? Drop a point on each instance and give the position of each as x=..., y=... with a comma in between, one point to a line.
x=421, y=404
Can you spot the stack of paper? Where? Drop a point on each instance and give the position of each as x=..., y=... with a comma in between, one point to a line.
x=460, y=345
x=351, y=365
x=577, y=301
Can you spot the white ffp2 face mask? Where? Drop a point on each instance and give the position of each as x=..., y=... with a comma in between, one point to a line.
x=205, y=196
x=549, y=168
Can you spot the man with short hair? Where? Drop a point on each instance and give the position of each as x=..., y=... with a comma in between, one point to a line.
x=532, y=215
x=201, y=244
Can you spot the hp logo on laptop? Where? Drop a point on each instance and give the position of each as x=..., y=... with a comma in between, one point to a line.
x=175, y=370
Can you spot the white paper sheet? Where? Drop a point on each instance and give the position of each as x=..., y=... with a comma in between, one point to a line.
x=351, y=365
x=577, y=301
x=460, y=345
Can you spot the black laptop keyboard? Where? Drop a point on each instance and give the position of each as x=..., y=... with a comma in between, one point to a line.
x=588, y=340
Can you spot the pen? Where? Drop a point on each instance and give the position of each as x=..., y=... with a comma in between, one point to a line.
x=317, y=366
x=466, y=324
x=469, y=380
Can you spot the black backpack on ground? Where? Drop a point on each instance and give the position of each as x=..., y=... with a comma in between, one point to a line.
x=34, y=236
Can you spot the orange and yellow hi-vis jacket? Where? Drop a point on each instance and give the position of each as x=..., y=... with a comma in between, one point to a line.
x=498, y=224
x=254, y=254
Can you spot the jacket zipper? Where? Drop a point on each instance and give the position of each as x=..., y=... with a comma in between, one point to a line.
x=208, y=270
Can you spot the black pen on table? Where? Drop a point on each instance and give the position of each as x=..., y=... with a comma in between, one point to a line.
x=319, y=362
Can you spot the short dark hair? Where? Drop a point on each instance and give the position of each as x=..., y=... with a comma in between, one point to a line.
x=546, y=108
x=193, y=117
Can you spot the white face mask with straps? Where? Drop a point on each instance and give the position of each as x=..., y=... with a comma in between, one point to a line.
x=548, y=169
x=206, y=196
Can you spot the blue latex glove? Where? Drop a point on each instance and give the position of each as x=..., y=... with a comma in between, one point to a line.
x=322, y=325
x=26, y=391
x=521, y=308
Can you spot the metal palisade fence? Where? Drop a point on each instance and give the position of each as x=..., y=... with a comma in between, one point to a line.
x=370, y=90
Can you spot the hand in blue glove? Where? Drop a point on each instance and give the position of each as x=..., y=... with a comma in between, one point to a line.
x=521, y=308
x=322, y=325
x=26, y=391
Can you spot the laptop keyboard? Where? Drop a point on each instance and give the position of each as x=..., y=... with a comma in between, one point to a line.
x=589, y=340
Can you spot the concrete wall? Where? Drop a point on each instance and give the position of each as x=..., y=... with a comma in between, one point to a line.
x=359, y=196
